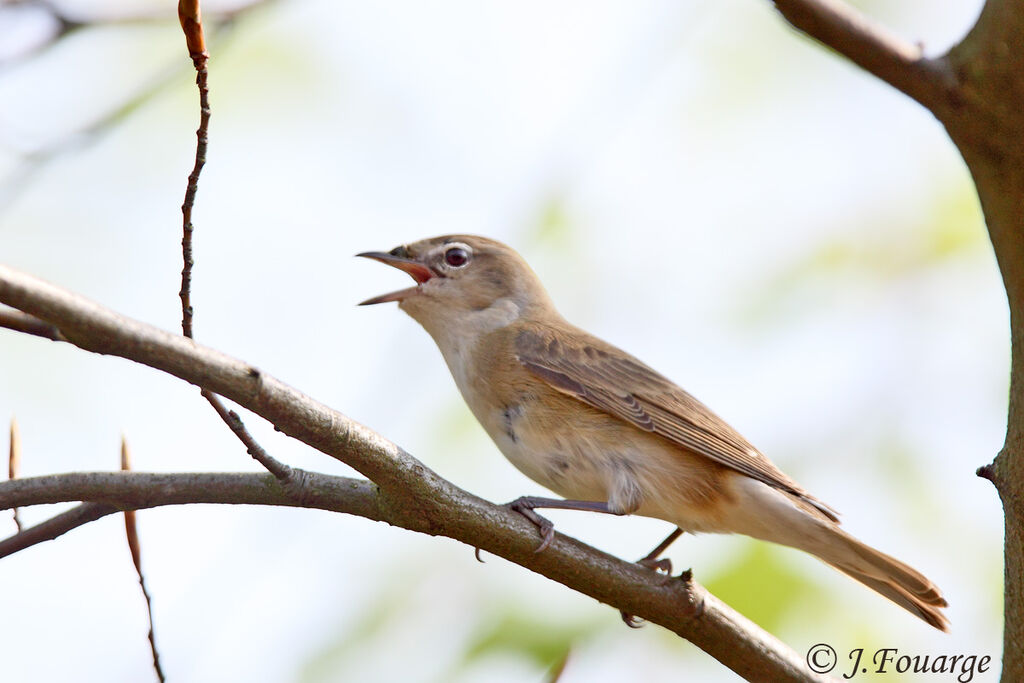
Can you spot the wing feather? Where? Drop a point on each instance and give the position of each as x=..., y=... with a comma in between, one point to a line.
x=611, y=380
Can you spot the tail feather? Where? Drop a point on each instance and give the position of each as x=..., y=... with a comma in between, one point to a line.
x=790, y=520
x=887, y=576
x=929, y=612
x=908, y=578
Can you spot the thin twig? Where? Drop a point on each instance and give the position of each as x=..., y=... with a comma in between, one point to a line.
x=871, y=46
x=14, y=463
x=132, y=534
x=190, y=16
x=54, y=527
x=284, y=473
x=23, y=322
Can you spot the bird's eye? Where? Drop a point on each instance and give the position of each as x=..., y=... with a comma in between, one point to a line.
x=456, y=257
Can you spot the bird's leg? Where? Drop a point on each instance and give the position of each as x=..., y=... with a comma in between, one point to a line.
x=651, y=561
x=664, y=564
x=527, y=504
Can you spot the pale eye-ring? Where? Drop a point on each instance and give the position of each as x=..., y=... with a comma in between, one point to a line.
x=456, y=257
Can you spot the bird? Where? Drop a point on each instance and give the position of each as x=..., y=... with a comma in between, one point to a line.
x=605, y=431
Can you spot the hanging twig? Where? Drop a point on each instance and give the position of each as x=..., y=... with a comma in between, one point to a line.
x=133, y=545
x=14, y=463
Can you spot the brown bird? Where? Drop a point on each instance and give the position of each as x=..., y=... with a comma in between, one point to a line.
x=609, y=434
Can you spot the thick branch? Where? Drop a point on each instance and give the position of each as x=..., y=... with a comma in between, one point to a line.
x=870, y=46
x=976, y=91
x=988, y=128
x=410, y=494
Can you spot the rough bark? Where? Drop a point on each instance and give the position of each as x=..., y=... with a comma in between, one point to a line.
x=986, y=122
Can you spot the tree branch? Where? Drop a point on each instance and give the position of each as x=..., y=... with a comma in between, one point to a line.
x=987, y=127
x=107, y=493
x=976, y=90
x=407, y=493
x=29, y=324
x=54, y=527
x=128, y=490
x=872, y=47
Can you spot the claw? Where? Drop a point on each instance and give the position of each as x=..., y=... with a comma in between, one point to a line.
x=476, y=554
x=547, y=537
x=630, y=620
x=547, y=533
x=543, y=524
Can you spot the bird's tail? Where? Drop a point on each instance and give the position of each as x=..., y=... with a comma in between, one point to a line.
x=886, y=575
x=783, y=518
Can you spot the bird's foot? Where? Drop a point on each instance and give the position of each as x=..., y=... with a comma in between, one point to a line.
x=662, y=565
x=525, y=506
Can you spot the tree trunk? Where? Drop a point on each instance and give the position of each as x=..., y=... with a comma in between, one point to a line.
x=977, y=91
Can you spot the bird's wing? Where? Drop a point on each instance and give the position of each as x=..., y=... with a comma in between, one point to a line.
x=611, y=380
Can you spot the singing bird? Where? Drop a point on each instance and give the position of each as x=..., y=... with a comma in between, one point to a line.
x=605, y=431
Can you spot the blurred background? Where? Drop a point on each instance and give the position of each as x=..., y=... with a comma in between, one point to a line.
x=791, y=240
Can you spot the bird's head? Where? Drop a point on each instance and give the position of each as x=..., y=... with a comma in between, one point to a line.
x=460, y=277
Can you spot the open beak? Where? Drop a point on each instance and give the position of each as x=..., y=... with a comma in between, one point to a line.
x=419, y=272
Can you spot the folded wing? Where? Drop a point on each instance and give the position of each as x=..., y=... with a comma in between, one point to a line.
x=611, y=380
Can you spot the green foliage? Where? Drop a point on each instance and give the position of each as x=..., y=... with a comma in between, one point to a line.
x=386, y=608
x=761, y=585
x=553, y=224
x=501, y=629
x=544, y=642
x=876, y=248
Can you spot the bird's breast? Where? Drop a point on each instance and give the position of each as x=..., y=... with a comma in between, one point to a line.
x=559, y=459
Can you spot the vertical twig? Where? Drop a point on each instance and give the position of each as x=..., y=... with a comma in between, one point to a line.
x=190, y=16
x=133, y=545
x=14, y=464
